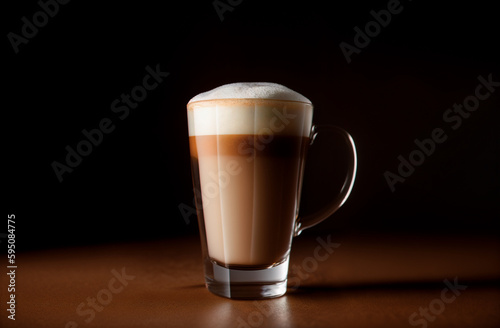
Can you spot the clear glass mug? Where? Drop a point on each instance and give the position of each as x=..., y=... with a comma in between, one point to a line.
x=247, y=158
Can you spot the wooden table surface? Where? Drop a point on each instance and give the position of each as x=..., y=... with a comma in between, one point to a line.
x=350, y=281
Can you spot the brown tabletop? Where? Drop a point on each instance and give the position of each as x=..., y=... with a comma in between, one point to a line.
x=350, y=281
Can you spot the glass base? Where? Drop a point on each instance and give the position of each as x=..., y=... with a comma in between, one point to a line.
x=247, y=284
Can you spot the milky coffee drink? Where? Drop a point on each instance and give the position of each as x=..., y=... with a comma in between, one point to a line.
x=248, y=143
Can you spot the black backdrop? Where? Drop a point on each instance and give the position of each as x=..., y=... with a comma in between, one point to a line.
x=65, y=78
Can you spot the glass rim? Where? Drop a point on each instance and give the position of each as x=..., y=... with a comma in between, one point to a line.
x=245, y=100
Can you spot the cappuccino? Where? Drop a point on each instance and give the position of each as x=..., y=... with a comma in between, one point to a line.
x=248, y=143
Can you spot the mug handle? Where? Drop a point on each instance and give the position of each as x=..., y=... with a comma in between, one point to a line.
x=308, y=221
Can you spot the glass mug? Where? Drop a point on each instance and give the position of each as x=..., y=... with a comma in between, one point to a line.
x=247, y=158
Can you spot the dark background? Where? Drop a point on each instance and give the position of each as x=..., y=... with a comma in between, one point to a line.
x=130, y=187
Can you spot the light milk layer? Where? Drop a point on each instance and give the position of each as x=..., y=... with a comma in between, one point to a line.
x=247, y=116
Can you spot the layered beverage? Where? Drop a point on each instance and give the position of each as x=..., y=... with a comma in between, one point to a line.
x=248, y=142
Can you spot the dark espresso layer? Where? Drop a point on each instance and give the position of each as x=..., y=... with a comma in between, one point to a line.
x=250, y=192
x=248, y=145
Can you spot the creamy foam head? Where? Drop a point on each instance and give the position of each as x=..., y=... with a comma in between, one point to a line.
x=250, y=108
x=251, y=90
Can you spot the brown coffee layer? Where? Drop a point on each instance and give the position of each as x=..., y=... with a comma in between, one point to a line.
x=249, y=189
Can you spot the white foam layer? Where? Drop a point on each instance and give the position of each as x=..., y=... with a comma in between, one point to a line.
x=251, y=90
x=248, y=117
